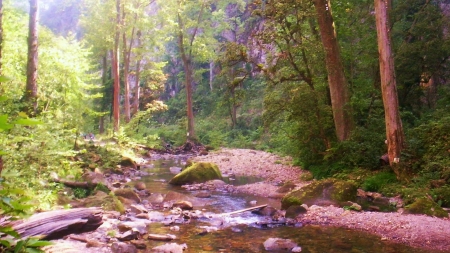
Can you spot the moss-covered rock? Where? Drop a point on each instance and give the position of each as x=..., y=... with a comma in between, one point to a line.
x=426, y=206
x=129, y=194
x=109, y=202
x=330, y=191
x=197, y=173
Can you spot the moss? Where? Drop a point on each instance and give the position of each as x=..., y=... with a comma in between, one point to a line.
x=197, y=173
x=328, y=190
x=426, y=206
x=109, y=202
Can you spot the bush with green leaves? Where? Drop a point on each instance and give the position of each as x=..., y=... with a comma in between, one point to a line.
x=376, y=182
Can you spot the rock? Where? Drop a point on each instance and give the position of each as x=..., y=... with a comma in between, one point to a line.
x=128, y=235
x=294, y=211
x=140, y=186
x=197, y=173
x=90, y=243
x=156, y=198
x=170, y=248
x=121, y=247
x=278, y=244
x=297, y=249
x=203, y=194
x=137, y=225
x=94, y=178
x=140, y=244
x=109, y=202
x=143, y=216
x=183, y=205
x=325, y=192
x=128, y=162
x=128, y=194
x=138, y=209
x=157, y=237
x=426, y=206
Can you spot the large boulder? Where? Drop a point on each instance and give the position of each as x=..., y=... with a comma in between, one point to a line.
x=197, y=173
x=426, y=206
x=322, y=192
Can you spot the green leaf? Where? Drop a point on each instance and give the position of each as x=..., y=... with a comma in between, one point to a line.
x=33, y=250
x=4, y=125
x=3, y=98
x=4, y=79
x=38, y=243
x=27, y=122
x=19, y=246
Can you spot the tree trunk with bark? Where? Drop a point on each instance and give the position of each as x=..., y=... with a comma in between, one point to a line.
x=339, y=92
x=187, y=64
x=137, y=87
x=116, y=73
x=394, y=129
x=31, y=95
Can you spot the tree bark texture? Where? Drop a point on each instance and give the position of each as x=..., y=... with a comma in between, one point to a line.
x=187, y=64
x=32, y=62
x=137, y=87
x=116, y=73
x=394, y=129
x=340, y=97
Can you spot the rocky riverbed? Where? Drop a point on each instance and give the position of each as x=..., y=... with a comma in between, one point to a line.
x=128, y=232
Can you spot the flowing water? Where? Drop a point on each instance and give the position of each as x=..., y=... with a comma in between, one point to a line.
x=242, y=232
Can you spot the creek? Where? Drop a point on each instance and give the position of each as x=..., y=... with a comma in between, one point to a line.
x=241, y=232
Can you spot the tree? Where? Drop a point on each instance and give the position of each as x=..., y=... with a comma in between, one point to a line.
x=394, y=129
x=32, y=63
x=339, y=93
x=115, y=69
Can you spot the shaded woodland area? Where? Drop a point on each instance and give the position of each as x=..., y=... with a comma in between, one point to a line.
x=357, y=90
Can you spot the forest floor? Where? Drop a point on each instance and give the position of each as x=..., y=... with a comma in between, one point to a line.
x=414, y=230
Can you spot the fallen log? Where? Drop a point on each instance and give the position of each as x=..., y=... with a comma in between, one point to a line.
x=74, y=184
x=59, y=223
x=244, y=210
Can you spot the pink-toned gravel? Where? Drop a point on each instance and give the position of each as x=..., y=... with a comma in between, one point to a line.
x=414, y=230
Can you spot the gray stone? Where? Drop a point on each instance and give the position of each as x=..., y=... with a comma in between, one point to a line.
x=121, y=247
x=277, y=244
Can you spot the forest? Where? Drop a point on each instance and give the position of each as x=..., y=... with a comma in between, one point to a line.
x=355, y=90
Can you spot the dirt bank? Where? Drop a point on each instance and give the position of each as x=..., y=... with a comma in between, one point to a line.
x=414, y=230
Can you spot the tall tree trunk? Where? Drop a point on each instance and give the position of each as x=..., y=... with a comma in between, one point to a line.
x=394, y=129
x=187, y=64
x=116, y=73
x=340, y=97
x=126, y=67
x=101, y=123
x=32, y=63
x=137, y=87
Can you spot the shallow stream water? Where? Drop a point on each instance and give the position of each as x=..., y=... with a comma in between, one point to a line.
x=243, y=234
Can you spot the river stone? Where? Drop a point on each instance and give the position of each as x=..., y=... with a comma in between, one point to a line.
x=128, y=193
x=265, y=211
x=140, y=186
x=323, y=192
x=278, y=244
x=121, y=247
x=170, y=248
x=295, y=210
x=183, y=205
x=156, y=198
x=199, y=172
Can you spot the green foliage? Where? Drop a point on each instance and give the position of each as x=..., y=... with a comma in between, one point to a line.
x=81, y=193
x=376, y=182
